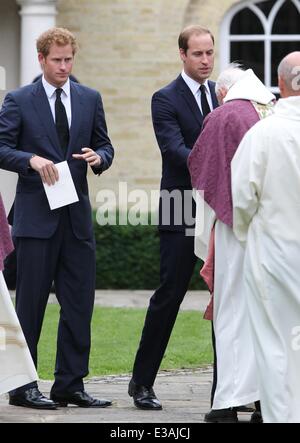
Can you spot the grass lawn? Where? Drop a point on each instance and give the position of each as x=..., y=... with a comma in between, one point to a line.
x=115, y=336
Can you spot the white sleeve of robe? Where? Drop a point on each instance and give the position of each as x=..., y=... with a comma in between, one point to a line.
x=247, y=175
x=205, y=218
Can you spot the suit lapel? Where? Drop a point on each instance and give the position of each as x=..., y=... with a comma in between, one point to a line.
x=189, y=99
x=42, y=107
x=77, y=112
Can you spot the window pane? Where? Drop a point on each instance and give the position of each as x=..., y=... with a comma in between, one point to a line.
x=251, y=55
x=266, y=7
x=279, y=51
x=246, y=22
x=287, y=20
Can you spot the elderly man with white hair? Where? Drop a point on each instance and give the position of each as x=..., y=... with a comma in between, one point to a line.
x=246, y=100
x=266, y=214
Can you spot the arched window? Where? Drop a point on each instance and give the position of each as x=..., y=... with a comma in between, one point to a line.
x=259, y=34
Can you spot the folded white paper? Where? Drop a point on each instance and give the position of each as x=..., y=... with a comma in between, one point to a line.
x=63, y=193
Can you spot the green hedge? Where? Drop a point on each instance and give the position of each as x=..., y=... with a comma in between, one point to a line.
x=128, y=258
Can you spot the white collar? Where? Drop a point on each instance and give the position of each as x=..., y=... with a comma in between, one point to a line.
x=192, y=84
x=50, y=89
x=288, y=107
x=249, y=87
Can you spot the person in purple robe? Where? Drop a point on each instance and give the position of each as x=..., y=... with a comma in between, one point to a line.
x=245, y=100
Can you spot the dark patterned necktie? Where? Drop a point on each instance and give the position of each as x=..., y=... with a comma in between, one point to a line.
x=204, y=103
x=61, y=122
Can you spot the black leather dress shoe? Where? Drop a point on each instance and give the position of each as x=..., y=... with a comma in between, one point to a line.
x=79, y=398
x=143, y=396
x=221, y=416
x=32, y=398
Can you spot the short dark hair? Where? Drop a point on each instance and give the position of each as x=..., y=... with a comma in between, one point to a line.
x=186, y=33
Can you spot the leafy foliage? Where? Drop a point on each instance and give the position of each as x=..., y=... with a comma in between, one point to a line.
x=128, y=258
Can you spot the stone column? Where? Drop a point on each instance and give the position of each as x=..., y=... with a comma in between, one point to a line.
x=36, y=17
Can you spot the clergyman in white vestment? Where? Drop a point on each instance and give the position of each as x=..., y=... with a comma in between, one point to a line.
x=16, y=365
x=266, y=212
x=246, y=100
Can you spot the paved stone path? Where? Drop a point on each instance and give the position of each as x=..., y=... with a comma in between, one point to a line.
x=193, y=300
x=184, y=394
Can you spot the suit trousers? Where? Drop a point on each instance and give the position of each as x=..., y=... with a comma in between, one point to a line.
x=177, y=262
x=70, y=263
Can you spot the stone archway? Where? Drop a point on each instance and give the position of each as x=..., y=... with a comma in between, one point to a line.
x=205, y=12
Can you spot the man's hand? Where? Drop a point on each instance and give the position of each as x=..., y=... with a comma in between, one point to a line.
x=90, y=156
x=46, y=169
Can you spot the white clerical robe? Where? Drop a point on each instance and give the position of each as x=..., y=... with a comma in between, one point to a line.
x=16, y=366
x=236, y=367
x=266, y=203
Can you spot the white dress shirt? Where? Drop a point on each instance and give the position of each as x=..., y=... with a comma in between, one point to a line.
x=195, y=89
x=65, y=97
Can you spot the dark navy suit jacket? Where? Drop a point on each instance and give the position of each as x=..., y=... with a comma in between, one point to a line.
x=27, y=127
x=177, y=122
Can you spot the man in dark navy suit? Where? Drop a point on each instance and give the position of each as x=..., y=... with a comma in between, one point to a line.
x=178, y=111
x=43, y=124
x=10, y=263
